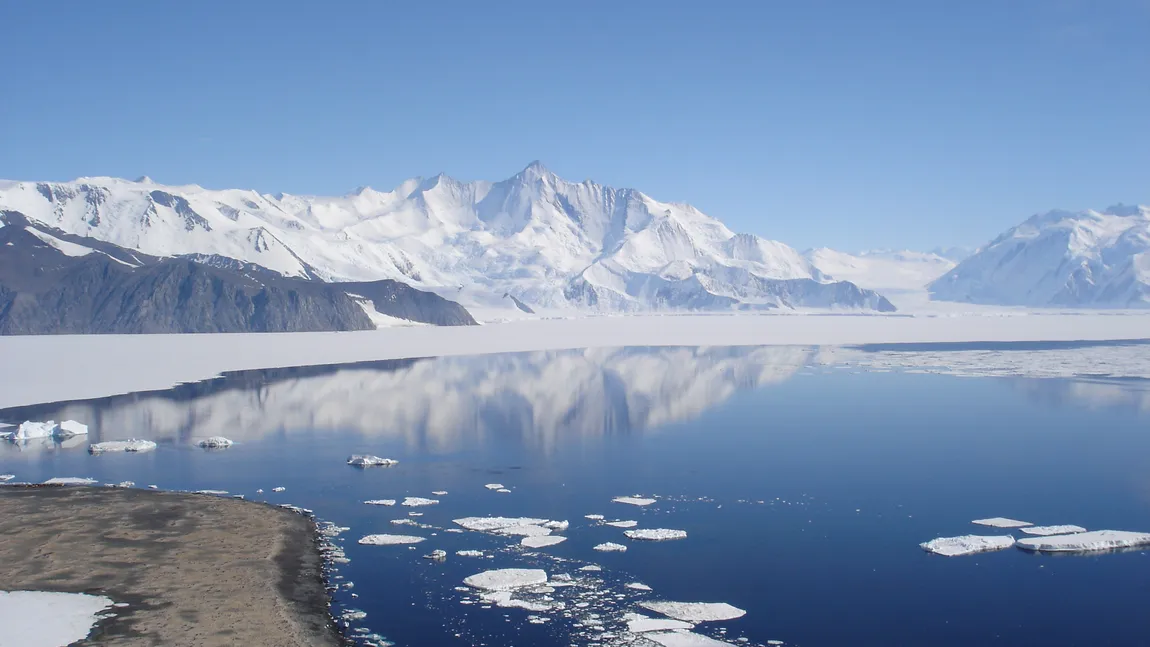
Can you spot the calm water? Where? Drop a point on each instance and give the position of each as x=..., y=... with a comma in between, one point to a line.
x=852, y=470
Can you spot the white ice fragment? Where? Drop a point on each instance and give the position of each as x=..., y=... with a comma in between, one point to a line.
x=1086, y=541
x=967, y=544
x=213, y=492
x=541, y=541
x=69, y=480
x=558, y=526
x=6, y=477
x=469, y=553
x=279, y=489
x=591, y=568
x=367, y=460
x=440, y=493
x=386, y=502
x=695, y=611
x=70, y=428
x=153, y=487
x=503, y=490
x=683, y=639
x=417, y=501
x=215, y=442
x=506, y=579
x=30, y=429
x=621, y=524
x=594, y=517
x=494, y=486
x=633, y=500
x=610, y=547
x=389, y=540
x=1001, y=522
x=504, y=600
x=1043, y=531
x=132, y=445
x=437, y=555
x=655, y=534
x=638, y=586
x=126, y=484
x=639, y=623
x=48, y=619
x=493, y=524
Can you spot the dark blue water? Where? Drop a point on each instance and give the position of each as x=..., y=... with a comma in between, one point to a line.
x=853, y=470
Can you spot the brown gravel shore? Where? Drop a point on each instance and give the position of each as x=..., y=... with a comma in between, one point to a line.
x=195, y=570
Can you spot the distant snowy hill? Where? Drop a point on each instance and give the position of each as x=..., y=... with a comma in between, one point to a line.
x=1060, y=259
x=533, y=240
x=881, y=270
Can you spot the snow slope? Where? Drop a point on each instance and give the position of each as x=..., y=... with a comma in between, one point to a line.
x=882, y=269
x=1060, y=258
x=547, y=242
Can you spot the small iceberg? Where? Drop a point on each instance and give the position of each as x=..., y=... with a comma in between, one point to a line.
x=967, y=544
x=70, y=428
x=621, y=524
x=4, y=478
x=30, y=429
x=633, y=500
x=498, y=524
x=503, y=490
x=212, y=492
x=386, y=502
x=215, y=442
x=439, y=493
x=437, y=556
x=1001, y=522
x=69, y=480
x=541, y=541
x=279, y=489
x=695, y=611
x=594, y=517
x=1086, y=541
x=592, y=568
x=367, y=460
x=470, y=553
x=655, y=534
x=506, y=579
x=638, y=586
x=389, y=540
x=611, y=547
x=494, y=486
x=418, y=501
x=133, y=445
x=1043, y=531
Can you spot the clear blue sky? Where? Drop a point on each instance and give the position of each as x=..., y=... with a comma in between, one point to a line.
x=848, y=124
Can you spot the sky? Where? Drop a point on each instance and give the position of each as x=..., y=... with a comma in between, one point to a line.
x=854, y=125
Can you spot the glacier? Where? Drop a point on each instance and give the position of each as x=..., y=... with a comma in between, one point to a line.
x=531, y=243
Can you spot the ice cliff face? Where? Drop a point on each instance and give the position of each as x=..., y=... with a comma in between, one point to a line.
x=1060, y=259
x=536, y=237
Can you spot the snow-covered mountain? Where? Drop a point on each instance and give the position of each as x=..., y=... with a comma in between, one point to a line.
x=547, y=242
x=1060, y=259
x=882, y=270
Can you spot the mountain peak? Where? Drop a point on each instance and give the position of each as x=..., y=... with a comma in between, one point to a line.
x=144, y=179
x=536, y=169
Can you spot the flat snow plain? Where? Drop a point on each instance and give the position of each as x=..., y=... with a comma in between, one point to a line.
x=53, y=368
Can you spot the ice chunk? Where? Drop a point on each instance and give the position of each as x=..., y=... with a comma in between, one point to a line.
x=70, y=428
x=1052, y=530
x=591, y=568
x=638, y=586
x=610, y=547
x=524, y=531
x=655, y=534
x=417, y=501
x=639, y=623
x=153, y=487
x=503, y=490
x=387, y=502
x=1086, y=541
x=503, y=599
x=541, y=541
x=6, y=477
x=558, y=526
x=506, y=579
x=389, y=540
x=633, y=500
x=621, y=524
x=279, y=489
x=492, y=524
x=440, y=492
x=48, y=619
x=437, y=555
x=469, y=553
x=682, y=639
x=967, y=544
x=695, y=611
x=594, y=517
x=1001, y=522
x=494, y=486
x=69, y=480
x=367, y=460
x=213, y=492
x=29, y=430
x=215, y=442
x=131, y=445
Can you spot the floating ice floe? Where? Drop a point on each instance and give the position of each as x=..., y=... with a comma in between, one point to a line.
x=621, y=524
x=69, y=480
x=4, y=478
x=655, y=534
x=70, y=428
x=507, y=579
x=367, y=460
x=520, y=526
x=503, y=490
x=47, y=619
x=695, y=612
x=610, y=547
x=594, y=517
x=212, y=492
x=132, y=445
x=440, y=493
x=215, y=442
x=591, y=568
x=470, y=553
x=279, y=489
x=494, y=486
x=30, y=429
x=153, y=487
x=638, y=586
x=1001, y=522
x=436, y=555
x=683, y=639
x=633, y=500
x=505, y=600
x=967, y=544
x=1043, y=531
x=541, y=541
x=1086, y=541
x=386, y=502
x=418, y=501
x=559, y=526
x=389, y=540
x=639, y=623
